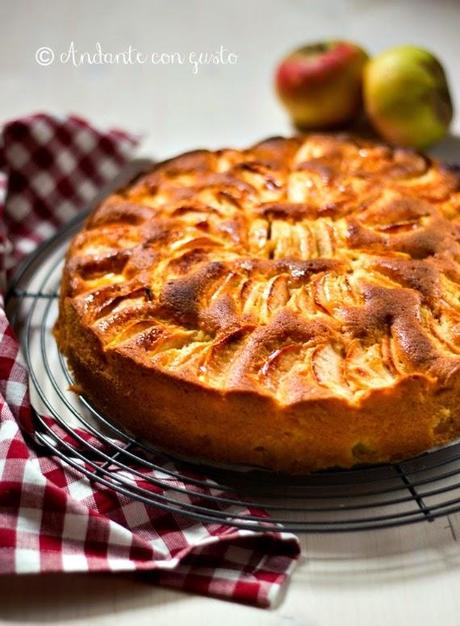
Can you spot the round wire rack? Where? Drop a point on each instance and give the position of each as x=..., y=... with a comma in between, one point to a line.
x=419, y=489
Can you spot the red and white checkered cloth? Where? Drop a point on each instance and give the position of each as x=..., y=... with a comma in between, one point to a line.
x=51, y=517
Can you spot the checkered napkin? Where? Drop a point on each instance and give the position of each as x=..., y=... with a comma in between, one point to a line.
x=52, y=518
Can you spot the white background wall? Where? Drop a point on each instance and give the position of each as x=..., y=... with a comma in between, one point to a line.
x=221, y=104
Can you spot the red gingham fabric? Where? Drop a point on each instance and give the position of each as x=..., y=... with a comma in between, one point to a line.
x=52, y=518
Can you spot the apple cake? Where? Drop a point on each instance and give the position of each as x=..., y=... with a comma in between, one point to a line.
x=292, y=306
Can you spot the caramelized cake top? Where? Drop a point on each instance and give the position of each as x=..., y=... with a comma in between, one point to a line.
x=298, y=268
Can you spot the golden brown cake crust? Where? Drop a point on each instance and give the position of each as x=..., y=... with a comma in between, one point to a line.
x=293, y=306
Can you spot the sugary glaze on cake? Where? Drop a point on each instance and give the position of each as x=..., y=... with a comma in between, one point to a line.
x=295, y=305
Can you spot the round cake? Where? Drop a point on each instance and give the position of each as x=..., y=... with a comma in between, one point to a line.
x=292, y=306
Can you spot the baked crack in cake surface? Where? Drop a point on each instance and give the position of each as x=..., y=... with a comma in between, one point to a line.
x=294, y=306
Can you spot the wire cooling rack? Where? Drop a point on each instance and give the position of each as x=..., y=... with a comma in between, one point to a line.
x=418, y=489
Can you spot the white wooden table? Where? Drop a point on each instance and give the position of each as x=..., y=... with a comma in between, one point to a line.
x=389, y=577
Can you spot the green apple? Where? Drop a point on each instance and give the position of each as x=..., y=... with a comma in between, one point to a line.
x=320, y=84
x=406, y=97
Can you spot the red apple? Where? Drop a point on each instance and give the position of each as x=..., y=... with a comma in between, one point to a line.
x=321, y=84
